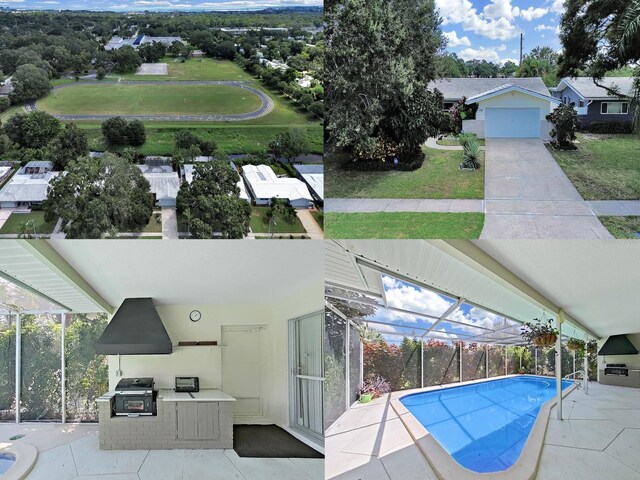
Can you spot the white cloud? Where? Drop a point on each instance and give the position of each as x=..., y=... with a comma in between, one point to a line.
x=412, y=298
x=501, y=48
x=454, y=41
x=557, y=6
x=479, y=54
x=533, y=13
x=500, y=8
x=462, y=12
x=505, y=60
x=542, y=27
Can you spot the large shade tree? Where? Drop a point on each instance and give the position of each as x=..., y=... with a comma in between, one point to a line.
x=381, y=57
x=213, y=202
x=99, y=197
x=599, y=36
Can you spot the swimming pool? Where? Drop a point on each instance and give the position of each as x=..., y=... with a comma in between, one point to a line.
x=483, y=426
x=6, y=462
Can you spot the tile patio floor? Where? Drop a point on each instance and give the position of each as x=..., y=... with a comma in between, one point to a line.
x=599, y=438
x=69, y=452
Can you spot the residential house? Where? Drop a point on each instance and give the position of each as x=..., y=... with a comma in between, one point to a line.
x=507, y=107
x=165, y=183
x=264, y=185
x=594, y=103
x=313, y=176
x=28, y=187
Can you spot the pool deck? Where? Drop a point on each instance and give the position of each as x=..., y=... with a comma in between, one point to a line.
x=69, y=452
x=598, y=438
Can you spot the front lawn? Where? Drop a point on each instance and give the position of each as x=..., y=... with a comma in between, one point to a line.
x=318, y=216
x=453, y=142
x=605, y=167
x=438, y=177
x=404, y=225
x=155, y=223
x=622, y=227
x=258, y=224
x=16, y=220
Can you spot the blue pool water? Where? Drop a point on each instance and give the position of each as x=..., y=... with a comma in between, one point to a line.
x=483, y=426
x=6, y=462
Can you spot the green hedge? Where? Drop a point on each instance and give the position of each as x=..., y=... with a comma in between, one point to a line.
x=610, y=127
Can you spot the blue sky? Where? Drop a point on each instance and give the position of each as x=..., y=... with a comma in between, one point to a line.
x=490, y=29
x=155, y=5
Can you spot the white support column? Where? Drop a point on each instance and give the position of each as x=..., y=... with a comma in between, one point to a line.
x=422, y=362
x=486, y=361
x=574, y=362
x=18, y=364
x=558, y=366
x=585, y=384
x=347, y=360
x=535, y=352
x=63, y=385
x=460, y=359
x=521, y=358
x=505, y=360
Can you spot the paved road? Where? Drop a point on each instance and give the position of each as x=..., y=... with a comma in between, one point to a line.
x=266, y=106
x=527, y=195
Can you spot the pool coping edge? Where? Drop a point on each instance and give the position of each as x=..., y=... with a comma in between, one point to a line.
x=443, y=464
x=26, y=456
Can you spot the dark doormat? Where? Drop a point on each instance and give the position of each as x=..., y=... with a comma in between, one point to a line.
x=269, y=441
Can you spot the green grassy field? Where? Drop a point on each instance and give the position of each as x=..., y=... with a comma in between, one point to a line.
x=192, y=69
x=439, y=177
x=15, y=220
x=258, y=225
x=403, y=225
x=605, y=167
x=622, y=227
x=130, y=99
x=155, y=223
x=318, y=216
x=453, y=142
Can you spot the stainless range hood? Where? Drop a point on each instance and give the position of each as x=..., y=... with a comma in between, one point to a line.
x=135, y=329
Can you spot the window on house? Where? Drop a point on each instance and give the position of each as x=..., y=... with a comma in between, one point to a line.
x=612, y=108
x=581, y=103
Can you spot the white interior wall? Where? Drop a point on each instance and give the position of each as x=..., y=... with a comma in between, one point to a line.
x=205, y=362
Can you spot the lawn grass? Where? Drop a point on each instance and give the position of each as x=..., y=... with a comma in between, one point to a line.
x=318, y=216
x=453, y=142
x=155, y=223
x=605, y=167
x=10, y=112
x=12, y=225
x=191, y=69
x=258, y=225
x=403, y=225
x=622, y=227
x=438, y=177
x=127, y=99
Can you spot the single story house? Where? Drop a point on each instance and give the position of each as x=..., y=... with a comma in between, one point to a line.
x=135, y=42
x=594, y=103
x=313, y=176
x=507, y=107
x=264, y=184
x=28, y=186
x=164, y=182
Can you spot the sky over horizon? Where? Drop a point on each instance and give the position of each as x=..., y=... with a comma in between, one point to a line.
x=490, y=29
x=155, y=5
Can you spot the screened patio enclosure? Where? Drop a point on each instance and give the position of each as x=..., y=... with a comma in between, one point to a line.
x=414, y=314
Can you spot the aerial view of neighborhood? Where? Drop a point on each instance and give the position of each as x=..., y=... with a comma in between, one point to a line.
x=161, y=125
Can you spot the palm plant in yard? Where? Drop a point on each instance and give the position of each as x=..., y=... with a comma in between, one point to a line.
x=471, y=155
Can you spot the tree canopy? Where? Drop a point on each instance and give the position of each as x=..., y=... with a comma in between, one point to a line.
x=98, y=197
x=213, y=202
x=380, y=61
x=29, y=83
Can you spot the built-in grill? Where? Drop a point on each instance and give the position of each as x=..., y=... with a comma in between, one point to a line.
x=135, y=396
x=619, y=369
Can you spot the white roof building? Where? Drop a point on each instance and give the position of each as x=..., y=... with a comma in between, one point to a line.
x=165, y=183
x=135, y=42
x=314, y=176
x=264, y=184
x=26, y=189
x=305, y=81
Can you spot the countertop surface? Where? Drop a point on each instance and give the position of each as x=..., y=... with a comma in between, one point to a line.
x=201, y=396
x=167, y=395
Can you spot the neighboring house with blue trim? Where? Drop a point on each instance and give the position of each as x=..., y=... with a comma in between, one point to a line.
x=594, y=103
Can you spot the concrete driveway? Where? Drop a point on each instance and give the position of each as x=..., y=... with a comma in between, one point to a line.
x=527, y=195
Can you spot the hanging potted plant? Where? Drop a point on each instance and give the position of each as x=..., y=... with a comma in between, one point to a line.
x=575, y=345
x=592, y=346
x=541, y=333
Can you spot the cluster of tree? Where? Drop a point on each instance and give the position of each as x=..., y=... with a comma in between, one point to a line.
x=99, y=197
x=189, y=145
x=118, y=131
x=179, y=49
x=87, y=374
x=152, y=52
x=284, y=81
x=124, y=59
x=289, y=145
x=40, y=136
x=211, y=203
x=378, y=105
x=280, y=207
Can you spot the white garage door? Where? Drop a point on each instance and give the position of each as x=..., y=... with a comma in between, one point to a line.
x=512, y=123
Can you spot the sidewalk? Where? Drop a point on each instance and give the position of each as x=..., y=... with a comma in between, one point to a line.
x=367, y=205
x=310, y=225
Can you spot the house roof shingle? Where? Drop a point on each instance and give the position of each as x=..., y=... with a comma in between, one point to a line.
x=588, y=89
x=456, y=88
